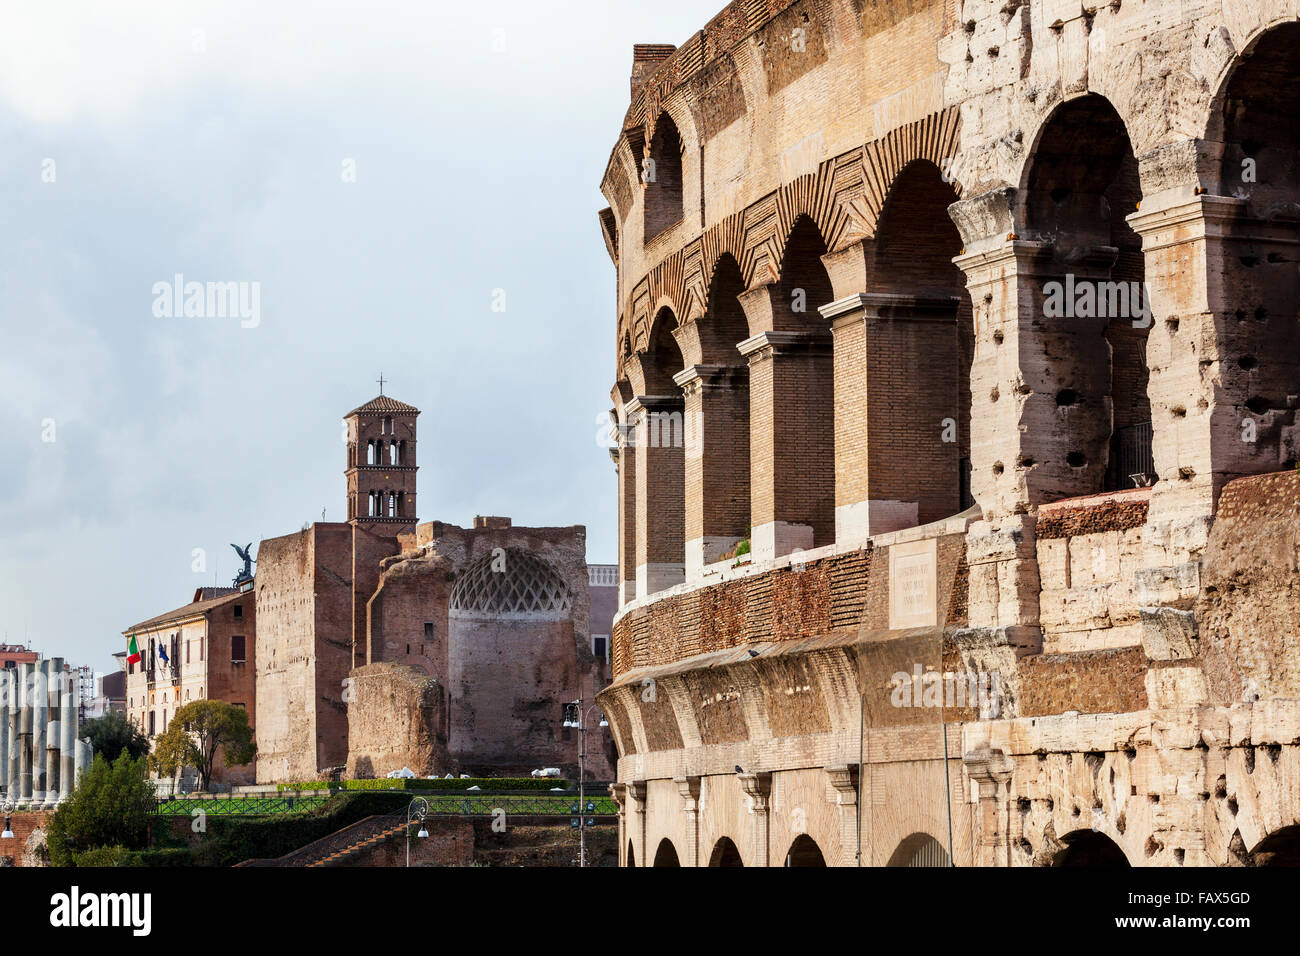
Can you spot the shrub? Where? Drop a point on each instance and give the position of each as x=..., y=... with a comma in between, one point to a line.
x=109, y=808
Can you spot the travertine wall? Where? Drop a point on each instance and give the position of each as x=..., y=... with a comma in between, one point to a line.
x=1142, y=152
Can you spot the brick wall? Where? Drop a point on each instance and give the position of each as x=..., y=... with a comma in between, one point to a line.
x=27, y=848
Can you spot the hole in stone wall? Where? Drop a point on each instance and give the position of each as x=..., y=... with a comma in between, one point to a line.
x=1076, y=459
x=1258, y=405
x=1025, y=461
x=1178, y=411
x=1247, y=362
x=998, y=338
x=1066, y=397
x=994, y=395
x=998, y=468
x=1186, y=474
x=1171, y=325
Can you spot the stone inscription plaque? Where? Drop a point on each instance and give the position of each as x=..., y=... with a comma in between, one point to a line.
x=912, y=585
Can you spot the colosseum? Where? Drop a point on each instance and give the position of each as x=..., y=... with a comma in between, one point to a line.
x=956, y=387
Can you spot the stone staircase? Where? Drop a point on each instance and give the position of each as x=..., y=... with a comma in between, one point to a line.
x=337, y=848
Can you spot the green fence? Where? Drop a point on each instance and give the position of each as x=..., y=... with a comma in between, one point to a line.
x=238, y=806
x=465, y=804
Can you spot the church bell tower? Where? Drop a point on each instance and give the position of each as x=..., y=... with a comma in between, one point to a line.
x=382, y=465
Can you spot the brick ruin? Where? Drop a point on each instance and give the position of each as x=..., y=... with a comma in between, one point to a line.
x=957, y=344
x=384, y=643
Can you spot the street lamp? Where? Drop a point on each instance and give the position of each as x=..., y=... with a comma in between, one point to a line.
x=576, y=718
x=417, y=809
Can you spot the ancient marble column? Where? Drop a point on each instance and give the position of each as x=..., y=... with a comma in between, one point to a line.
x=4, y=730
x=68, y=746
x=26, y=678
x=40, y=723
x=57, y=691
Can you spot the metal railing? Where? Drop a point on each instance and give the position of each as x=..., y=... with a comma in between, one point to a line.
x=1131, y=462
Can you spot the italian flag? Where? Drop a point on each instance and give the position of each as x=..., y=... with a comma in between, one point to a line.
x=132, y=650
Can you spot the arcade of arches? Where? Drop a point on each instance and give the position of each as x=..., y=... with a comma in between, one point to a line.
x=987, y=348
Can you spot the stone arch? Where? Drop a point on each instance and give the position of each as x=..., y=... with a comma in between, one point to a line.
x=792, y=375
x=804, y=851
x=666, y=854
x=1254, y=122
x=1078, y=186
x=725, y=854
x=924, y=321
x=660, y=438
x=920, y=850
x=664, y=195
x=1089, y=848
x=631, y=855
x=1279, y=848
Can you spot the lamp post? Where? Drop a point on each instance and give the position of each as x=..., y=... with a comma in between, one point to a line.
x=576, y=717
x=417, y=809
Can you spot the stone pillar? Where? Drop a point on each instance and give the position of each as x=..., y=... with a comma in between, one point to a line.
x=618, y=791
x=67, y=747
x=6, y=676
x=792, y=441
x=636, y=792
x=991, y=772
x=625, y=436
x=1209, y=354
x=689, y=788
x=58, y=690
x=758, y=786
x=83, y=754
x=40, y=726
x=896, y=412
x=660, y=492
x=26, y=681
x=717, y=461
x=844, y=779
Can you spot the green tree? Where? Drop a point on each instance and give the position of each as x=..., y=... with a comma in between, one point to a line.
x=109, y=808
x=197, y=732
x=111, y=734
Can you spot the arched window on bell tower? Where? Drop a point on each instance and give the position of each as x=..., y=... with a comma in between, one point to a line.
x=382, y=482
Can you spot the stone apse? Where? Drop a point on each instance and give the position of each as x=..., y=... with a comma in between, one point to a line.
x=955, y=419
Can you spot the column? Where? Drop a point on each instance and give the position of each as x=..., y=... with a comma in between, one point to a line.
x=660, y=492
x=689, y=788
x=844, y=779
x=897, y=416
x=5, y=677
x=83, y=759
x=636, y=792
x=58, y=690
x=792, y=440
x=618, y=791
x=40, y=725
x=26, y=680
x=717, y=461
x=68, y=747
x=626, y=450
x=1204, y=369
x=991, y=772
x=758, y=786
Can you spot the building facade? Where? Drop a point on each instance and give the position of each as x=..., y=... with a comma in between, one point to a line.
x=205, y=650
x=955, y=388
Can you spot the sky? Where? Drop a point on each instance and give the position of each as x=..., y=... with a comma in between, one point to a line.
x=400, y=188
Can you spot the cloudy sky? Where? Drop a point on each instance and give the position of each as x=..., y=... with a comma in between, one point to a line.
x=379, y=169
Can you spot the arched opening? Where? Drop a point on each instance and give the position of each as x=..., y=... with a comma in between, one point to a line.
x=631, y=855
x=717, y=422
x=661, y=460
x=920, y=850
x=666, y=855
x=918, y=351
x=1092, y=381
x=662, y=177
x=371, y=454
x=792, y=385
x=725, y=854
x=1090, y=848
x=1260, y=350
x=804, y=851
x=1278, y=849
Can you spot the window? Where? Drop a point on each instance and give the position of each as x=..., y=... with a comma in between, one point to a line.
x=600, y=646
x=187, y=652
x=428, y=630
x=151, y=723
x=10, y=665
x=237, y=649
x=239, y=611
x=239, y=705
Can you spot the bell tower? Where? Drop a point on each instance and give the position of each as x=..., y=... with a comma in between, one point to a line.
x=382, y=465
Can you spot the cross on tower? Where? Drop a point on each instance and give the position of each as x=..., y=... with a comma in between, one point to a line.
x=381, y=383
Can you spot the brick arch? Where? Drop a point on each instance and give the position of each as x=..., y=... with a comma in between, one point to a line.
x=936, y=138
